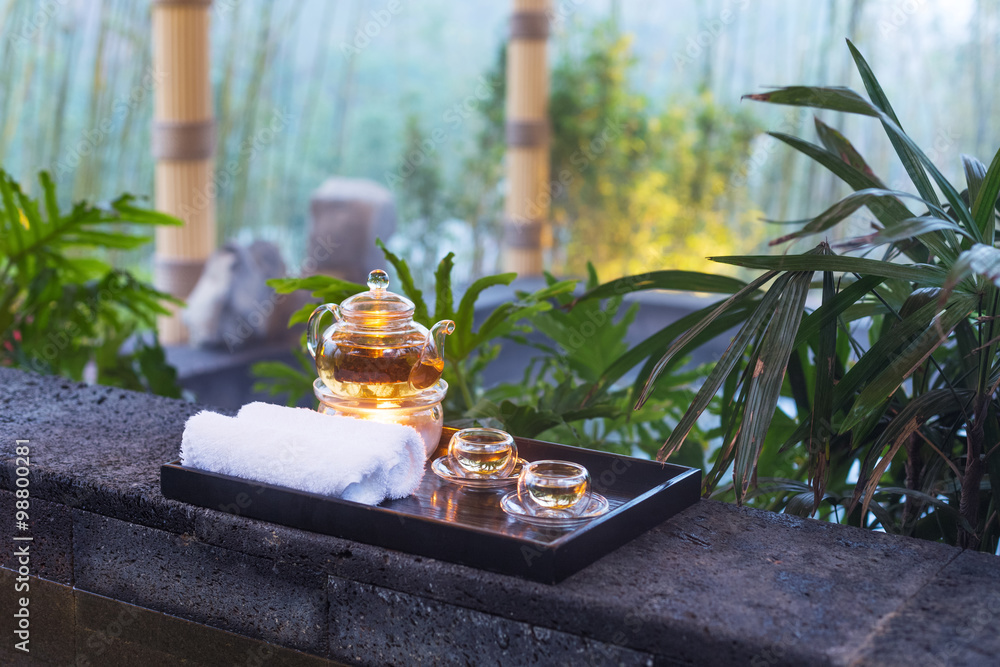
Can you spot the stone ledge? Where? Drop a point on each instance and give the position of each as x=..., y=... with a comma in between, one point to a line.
x=74, y=627
x=716, y=585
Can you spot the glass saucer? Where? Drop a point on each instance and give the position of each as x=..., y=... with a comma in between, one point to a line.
x=511, y=504
x=446, y=468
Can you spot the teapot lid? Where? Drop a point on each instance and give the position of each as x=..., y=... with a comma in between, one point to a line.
x=378, y=302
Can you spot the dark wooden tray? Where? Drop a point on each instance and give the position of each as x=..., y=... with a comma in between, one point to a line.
x=443, y=521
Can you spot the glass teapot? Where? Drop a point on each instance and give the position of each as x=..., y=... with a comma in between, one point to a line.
x=374, y=349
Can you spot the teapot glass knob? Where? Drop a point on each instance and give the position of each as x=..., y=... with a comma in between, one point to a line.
x=378, y=280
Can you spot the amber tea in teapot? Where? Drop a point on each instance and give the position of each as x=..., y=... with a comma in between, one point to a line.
x=367, y=372
x=374, y=349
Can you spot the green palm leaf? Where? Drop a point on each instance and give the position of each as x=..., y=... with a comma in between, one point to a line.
x=766, y=378
x=923, y=274
x=685, y=339
x=723, y=367
x=985, y=201
x=688, y=281
x=915, y=161
x=902, y=366
x=909, y=155
x=975, y=174
x=979, y=260
x=858, y=176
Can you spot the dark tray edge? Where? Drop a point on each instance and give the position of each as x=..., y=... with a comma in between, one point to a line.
x=546, y=562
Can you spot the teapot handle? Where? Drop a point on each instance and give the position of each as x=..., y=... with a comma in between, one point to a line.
x=312, y=329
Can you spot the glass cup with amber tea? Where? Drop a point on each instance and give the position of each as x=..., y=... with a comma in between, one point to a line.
x=483, y=452
x=554, y=489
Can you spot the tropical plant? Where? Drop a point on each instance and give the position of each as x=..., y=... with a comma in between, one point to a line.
x=63, y=309
x=892, y=378
x=575, y=347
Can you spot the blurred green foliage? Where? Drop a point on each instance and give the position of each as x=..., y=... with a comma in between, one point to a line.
x=65, y=311
x=634, y=189
x=630, y=188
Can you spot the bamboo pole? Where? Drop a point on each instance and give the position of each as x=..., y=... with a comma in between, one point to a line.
x=526, y=206
x=183, y=145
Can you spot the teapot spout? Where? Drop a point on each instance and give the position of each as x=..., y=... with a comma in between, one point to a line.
x=428, y=369
x=437, y=334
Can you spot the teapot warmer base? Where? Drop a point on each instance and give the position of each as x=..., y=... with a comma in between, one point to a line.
x=422, y=410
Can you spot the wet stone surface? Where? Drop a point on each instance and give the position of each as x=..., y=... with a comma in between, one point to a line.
x=715, y=585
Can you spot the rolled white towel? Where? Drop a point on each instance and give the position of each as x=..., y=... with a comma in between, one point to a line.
x=354, y=459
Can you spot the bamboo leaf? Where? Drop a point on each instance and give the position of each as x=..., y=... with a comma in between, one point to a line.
x=920, y=409
x=726, y=321
x=928, y=499
x=886, y=210
x=880, y=354
x=769, y=304
x=911, y=227
x=914, y=160
x=924, y=227
x=721, y=370
x=821, y=418
x=883, y=517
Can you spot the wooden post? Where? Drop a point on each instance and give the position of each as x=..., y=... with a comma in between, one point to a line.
x=526, y=207
x=183, y=145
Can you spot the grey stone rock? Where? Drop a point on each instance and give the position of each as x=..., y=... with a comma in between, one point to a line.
x=232, y=305
x=51, y=530
x=113, y=632
x=966, y=592
x=74, y=627
x=95, y=448
x=376, y=626
x=347, y=216
x=177, y=575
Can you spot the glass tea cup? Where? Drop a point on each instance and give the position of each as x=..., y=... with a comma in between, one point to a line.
x=483, y=452
x=554, y=489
